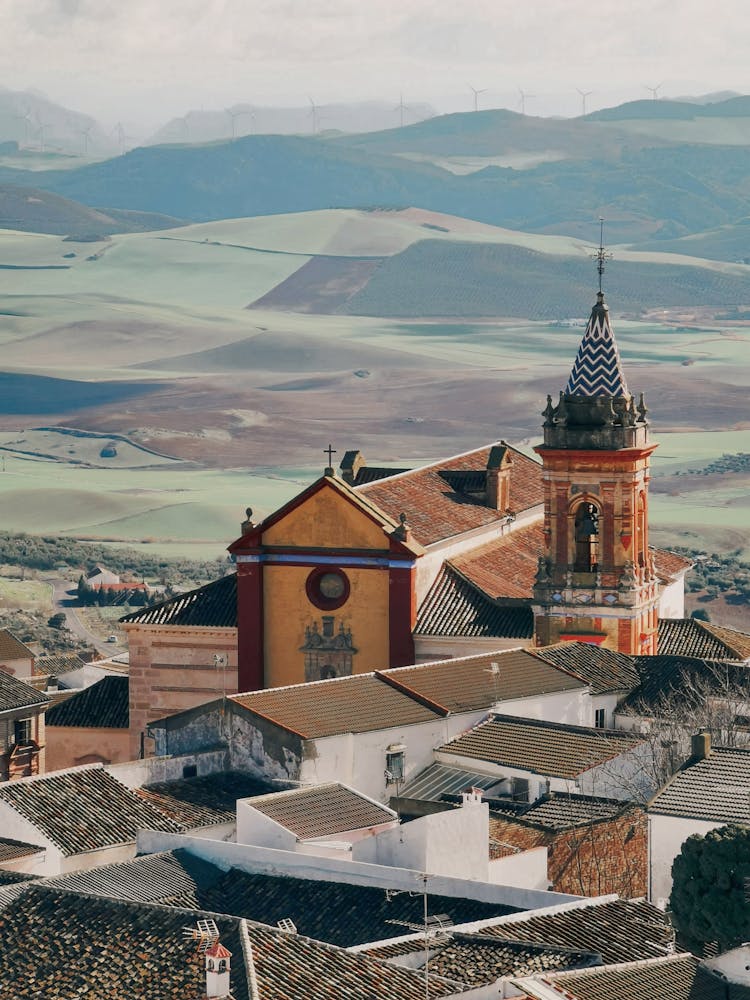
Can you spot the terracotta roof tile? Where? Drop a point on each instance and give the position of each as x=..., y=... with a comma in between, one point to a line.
x=668, y=565
x=204, y=801
x=690, y=637
x=435, y=510
x=211, y=606
x=668, y=681
x=83, y=809
x=11, y=648
x=454, y=606
x=10, y=850
x=468, y=683
x=340, y=913
x=604, y=669
x=357, y=704
x=15, y=694
x=716, y=788
x=541, y=747
x=103, y=705
x=321, y=810
x=507, y=566
x=676, y=977
x=619, y=930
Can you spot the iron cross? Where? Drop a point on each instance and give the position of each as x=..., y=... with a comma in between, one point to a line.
x=330, y=451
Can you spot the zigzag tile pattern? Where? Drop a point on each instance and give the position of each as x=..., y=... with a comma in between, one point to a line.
x=597, y=370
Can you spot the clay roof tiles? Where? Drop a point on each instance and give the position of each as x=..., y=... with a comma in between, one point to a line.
x=104, y=705
x=83, y=809
x=212, y=606
x=321, y=810
x=435, y=510
x=15, y=694
x=337, y=912
x=455, y=606
x=541, y=747
x=10, y=850
x=690, y=637
x=11, y=648
x=468, y=683
x=207, y=800
x=716, y=788
x=357, y=704
x=603, y=669
x=619, y=930
x=675, y=977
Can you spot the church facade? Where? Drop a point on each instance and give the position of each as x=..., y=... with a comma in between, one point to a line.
x=491, y=549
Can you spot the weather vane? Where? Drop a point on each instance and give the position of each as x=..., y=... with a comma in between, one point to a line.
x=600, y=255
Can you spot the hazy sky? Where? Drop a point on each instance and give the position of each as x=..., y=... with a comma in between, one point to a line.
x=142, y=61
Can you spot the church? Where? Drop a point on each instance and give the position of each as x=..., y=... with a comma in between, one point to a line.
x=371, y=568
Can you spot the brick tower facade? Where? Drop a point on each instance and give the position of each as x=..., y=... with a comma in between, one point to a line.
x=596, y=580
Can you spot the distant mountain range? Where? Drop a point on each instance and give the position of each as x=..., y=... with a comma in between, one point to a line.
x=539, y=175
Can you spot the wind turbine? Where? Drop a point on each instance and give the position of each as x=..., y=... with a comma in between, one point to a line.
x=584, y=94
x=524, y=98
x=401, y=107
x=476, y=94
x=119, y=131
x=314, y=114
x=25, y=118
x=41, y=126
x=654, y=90
x=86, y=133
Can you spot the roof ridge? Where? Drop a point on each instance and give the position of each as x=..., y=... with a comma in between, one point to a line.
x=639, y=963
x=441, y=462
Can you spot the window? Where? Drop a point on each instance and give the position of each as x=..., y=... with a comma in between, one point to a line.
x=190, y=771
x=22, y=731
x=600, y=718
x=394, y=766
x=586, y=538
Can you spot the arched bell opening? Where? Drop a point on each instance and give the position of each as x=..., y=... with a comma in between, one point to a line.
x=586, y=517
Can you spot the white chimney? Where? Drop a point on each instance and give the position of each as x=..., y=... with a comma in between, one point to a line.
x=217, y=971
x=471, y=797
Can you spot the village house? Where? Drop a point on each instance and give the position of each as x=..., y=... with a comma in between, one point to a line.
x=90, y=726
x=16, y=657
x=22, y=733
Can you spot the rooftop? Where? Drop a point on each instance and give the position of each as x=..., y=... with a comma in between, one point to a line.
x=203, y=801
x=675, y=977
x=690, y=637
x=11, y=850
x=667, y=682
x=444, y=783
x=619, y=930
x=337, y=912
x=603, y=669
x=103, y=705
x=439, y=505
x=457, y=607
x=212, y=606
x=358, y=704
x=138, y=951
x=716, y=788
x=322, y=810
x=11, y=648
x=15, y=694
x=471, y=683
x=83, y=809
x=545, y=748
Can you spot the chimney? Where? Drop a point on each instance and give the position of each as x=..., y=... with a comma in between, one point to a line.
x=700, y=745
x=497, y=490
x=351, y=463
x=217, y=971
x=471, y=797
x=247, y=525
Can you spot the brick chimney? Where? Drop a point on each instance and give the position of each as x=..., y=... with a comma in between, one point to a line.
x=700, y=745
x=497, y=490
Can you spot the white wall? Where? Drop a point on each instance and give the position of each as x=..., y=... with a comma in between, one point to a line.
x=454, y=843
x=254, y=827
x=527, y=869
x=734, y=964
x=666, y=835
x=15, y=827
x=263, y=859
x=569, y=707
x=137, y=773
x=428, y=648
x=672, y=599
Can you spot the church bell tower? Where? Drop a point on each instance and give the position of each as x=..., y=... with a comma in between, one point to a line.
x=596, y=581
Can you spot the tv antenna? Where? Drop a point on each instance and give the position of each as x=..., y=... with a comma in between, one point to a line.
x=494, y=671
x=584, y=94
x=654, y=90
x=524, y=98
x=205, y=933
x=401, y=107
x=600, y=254
x=476, y=93
x=433, y=926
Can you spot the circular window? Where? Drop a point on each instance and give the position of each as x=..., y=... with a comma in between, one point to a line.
x=327, y=589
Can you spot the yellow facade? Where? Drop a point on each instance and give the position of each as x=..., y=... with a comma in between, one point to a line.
x=326, y=520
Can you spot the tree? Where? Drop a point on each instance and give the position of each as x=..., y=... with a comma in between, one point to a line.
x=701, y=615
x=709, y=900
x=57, y=621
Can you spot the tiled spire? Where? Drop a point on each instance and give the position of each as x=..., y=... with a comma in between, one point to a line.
x=597, y=370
